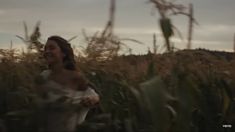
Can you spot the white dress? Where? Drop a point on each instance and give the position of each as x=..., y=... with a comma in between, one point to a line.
x=63, y=117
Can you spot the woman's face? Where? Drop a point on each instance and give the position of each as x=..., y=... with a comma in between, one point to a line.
x=53, y=53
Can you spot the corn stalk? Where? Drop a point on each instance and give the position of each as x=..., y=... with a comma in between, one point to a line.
x=106, y=45
x=32, y=41
x=234, y=43
x=190, y=28
x=166, y=9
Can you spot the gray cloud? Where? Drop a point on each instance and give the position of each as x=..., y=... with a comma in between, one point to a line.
x=133, y=19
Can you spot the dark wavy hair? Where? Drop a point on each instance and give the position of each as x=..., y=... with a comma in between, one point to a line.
x=65, y=46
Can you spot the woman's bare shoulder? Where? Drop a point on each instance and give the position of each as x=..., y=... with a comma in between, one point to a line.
x=80, y=79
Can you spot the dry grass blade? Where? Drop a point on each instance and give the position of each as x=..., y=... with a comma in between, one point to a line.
x=234, y=43
x=21, y=38
x=26, y=31
x=72, y=38
x=178, y=32
x=132, y=40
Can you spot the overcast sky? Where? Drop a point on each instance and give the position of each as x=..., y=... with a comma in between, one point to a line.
x=67, y=18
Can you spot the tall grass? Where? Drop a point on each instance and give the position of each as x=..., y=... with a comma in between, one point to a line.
x=171, y=94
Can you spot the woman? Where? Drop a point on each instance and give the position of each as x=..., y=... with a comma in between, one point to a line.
x=67, y=95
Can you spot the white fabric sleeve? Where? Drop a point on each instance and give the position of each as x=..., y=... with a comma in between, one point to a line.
x=84, y=110
x=90, y=92
x=76, y=97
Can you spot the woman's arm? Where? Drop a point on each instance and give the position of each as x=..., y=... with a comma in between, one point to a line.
x=91, y=98
x=90, y=101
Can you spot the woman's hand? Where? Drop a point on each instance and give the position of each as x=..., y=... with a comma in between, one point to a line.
x=90, y=101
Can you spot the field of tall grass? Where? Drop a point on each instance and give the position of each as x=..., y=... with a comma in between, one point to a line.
x=187, y=90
